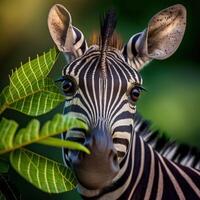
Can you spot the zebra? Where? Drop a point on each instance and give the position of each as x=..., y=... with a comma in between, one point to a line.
x=102, y=85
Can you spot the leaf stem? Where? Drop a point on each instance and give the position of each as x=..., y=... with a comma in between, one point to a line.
x=3, y=107
x=55, y=142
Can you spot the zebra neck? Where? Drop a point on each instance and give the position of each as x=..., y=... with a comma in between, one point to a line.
x=144, y=174
x=168, y=148
x=148, y=173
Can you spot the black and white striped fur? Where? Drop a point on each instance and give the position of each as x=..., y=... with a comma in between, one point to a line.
x=150, y=168
x=147, y=173
x=168, y=148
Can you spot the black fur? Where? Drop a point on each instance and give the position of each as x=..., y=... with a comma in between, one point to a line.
x=108, y=24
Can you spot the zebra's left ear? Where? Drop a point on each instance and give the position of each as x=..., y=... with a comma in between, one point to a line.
x=160, y=39
x=67, y=38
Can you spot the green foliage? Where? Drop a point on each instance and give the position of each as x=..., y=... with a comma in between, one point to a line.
x=11, y=138
x=55, y=142
x=45, y=174
x=33, y=93
x=30, y=91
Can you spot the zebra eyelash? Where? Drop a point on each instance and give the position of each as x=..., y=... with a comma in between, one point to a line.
x=141, y=88
x=63, y=78
x=138, y=86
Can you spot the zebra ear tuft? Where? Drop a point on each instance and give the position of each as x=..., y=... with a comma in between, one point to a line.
x=67, y=38
x=159, y=40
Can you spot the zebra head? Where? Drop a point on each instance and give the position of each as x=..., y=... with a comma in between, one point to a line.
x=102, y=85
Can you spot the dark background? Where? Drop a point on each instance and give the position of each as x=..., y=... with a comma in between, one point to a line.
x=172, y=100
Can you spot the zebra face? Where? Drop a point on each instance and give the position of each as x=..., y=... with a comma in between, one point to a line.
x=102, y=84
x=109, y=103
x=108, y=106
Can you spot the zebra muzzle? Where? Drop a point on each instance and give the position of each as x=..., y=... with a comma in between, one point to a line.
x=97, y=170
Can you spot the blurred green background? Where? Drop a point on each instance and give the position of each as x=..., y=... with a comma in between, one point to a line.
x=173, y=97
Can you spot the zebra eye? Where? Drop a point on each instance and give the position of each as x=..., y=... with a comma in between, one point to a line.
x=69, y=87
x=135, y=93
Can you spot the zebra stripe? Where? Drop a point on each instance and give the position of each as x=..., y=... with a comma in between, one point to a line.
x=150, y=166
x=131, y=53
x=169, y=173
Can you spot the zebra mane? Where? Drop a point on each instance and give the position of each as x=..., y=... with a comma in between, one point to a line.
x=180, y=153
x=115, y=41
x=107, y=24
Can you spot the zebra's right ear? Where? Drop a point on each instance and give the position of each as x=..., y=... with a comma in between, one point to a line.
x=67, y=38
x=159, y=40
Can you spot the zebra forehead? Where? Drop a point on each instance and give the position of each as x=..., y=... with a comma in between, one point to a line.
x=88, y=64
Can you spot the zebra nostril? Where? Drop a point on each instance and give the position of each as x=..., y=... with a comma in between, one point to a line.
x=115, y=160
x=113, y=157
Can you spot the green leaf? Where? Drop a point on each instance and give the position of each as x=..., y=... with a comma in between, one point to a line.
x=30, y=91
x=55, y=142
x=43, y=97
x=45, y=174
x=7, y=132
x=11, y=139
x=31, y=72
